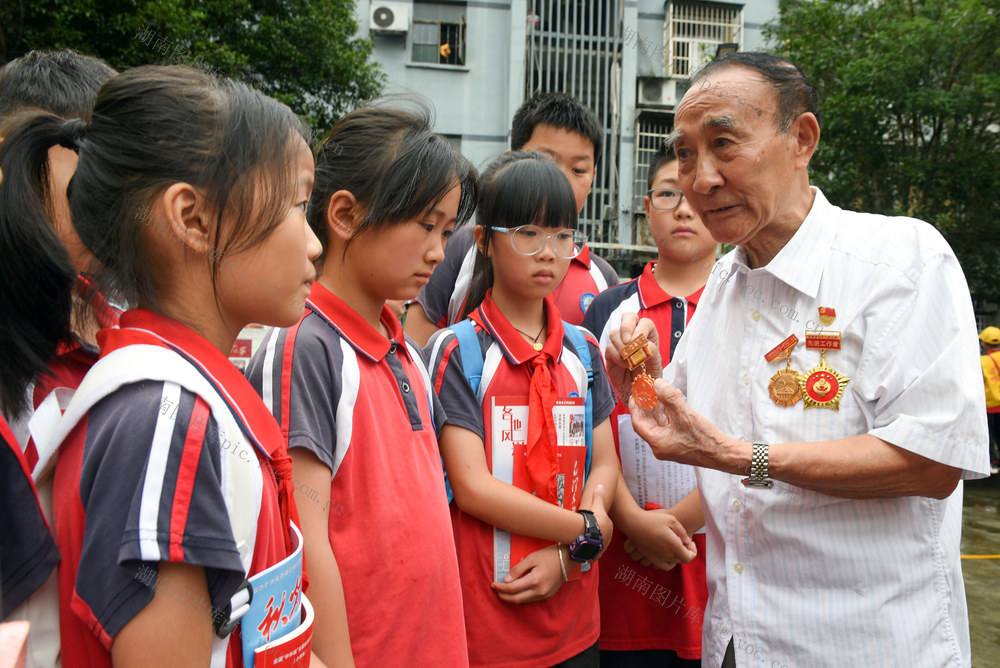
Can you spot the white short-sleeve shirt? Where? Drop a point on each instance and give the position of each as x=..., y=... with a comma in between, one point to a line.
x=800, y=578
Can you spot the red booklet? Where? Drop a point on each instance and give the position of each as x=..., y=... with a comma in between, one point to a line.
x=509, y=418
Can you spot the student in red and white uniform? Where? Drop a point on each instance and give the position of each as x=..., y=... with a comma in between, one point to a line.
x=174, y=486
x=65, y=83
x=527, y=601
x=353, y=398
x=35, y=303
x=564, y=129
x=652, y=610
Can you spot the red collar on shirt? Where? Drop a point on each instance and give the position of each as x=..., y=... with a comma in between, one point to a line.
x=365, y=338
x=584, y=257
x=107, y=316
x=515, y=348
x=142, y=327
x=651, y=294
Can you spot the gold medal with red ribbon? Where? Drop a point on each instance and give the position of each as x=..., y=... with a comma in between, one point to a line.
x=784, y=386
x=635, y=354
x=822, y=386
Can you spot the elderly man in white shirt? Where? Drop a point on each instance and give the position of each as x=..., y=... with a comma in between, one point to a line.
x=829, y=389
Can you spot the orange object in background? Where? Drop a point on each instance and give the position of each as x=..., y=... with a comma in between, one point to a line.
x=445, y=50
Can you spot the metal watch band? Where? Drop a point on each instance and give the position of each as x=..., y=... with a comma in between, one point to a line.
x=758, y=468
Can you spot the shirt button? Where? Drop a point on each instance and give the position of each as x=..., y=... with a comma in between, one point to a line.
x=678, y=304
x=677, y=335
x=737, y=505
x=755, y=315
x=738, y=567
x=746, y=379
x=406, y=387
x=392, y=348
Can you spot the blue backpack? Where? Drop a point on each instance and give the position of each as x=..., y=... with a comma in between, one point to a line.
x=472, y=365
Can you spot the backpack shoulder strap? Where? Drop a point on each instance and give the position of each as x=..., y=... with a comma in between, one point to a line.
x=472, y=354
x=583, y=352
x=472, y=366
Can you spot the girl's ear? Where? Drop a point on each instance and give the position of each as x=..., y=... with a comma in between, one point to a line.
x=340, y=215
x=480, y=233
x=182, y=209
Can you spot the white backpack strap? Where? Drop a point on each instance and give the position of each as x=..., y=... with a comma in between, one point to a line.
x=462, y=283
x=241, y=479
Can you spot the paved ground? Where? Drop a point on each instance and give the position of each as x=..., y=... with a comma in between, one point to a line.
x=981, y=537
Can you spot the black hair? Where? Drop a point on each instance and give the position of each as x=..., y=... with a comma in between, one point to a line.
x=560, y=111
x=795, y=94
x=36, y=274
x=664, y=155
x=63, y=82
x=393, y=164
x=154, y=126
x=517, y=188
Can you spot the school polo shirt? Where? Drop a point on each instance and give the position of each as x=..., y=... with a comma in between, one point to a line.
x=362, y=405
x=147, y=476
x=643, y=607
x=502, y=634
x=444, y=296
x=28, y=553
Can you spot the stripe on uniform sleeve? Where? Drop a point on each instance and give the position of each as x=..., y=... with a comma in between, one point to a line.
x=185, y=477
x=267, y=370
x=350, y=383
x=156, y=468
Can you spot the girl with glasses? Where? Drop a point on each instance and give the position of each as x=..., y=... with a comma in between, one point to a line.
x=513, y=380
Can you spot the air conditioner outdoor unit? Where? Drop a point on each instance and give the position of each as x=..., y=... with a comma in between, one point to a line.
x=390, y=17
x=660, y=92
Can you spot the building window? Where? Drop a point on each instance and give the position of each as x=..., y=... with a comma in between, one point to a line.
x=651, y=131
x=439, y=33
x=695, y=29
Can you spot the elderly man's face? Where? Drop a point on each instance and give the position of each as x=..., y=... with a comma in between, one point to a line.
x=735, y=168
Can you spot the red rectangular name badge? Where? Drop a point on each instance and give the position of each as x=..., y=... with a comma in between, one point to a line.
x=822, y=340
x=783, y=350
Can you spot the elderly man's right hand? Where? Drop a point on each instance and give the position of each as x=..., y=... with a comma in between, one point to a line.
x=677, y=432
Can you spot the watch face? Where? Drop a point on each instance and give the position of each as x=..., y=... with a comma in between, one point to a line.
x=585, y=548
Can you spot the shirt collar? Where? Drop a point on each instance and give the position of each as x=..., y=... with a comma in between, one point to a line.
x=801, y=260
x=651, y=294
x=584, y=257
x=515, y=348
x=362, y=336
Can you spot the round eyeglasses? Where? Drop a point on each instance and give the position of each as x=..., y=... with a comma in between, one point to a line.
x=531, y=239
x=665, y=198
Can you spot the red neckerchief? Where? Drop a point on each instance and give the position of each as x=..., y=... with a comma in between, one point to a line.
x=142, y=327
x=542, y=463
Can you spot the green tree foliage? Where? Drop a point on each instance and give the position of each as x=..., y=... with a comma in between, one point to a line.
x=303, y=52
x=910, y=99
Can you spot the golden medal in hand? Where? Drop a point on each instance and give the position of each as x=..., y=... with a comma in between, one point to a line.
x=635, y=354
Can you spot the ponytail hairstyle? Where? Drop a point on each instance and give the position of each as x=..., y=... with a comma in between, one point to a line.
x=393, y=164
x=36, y=273
x=517, y=188
x=151, y=127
